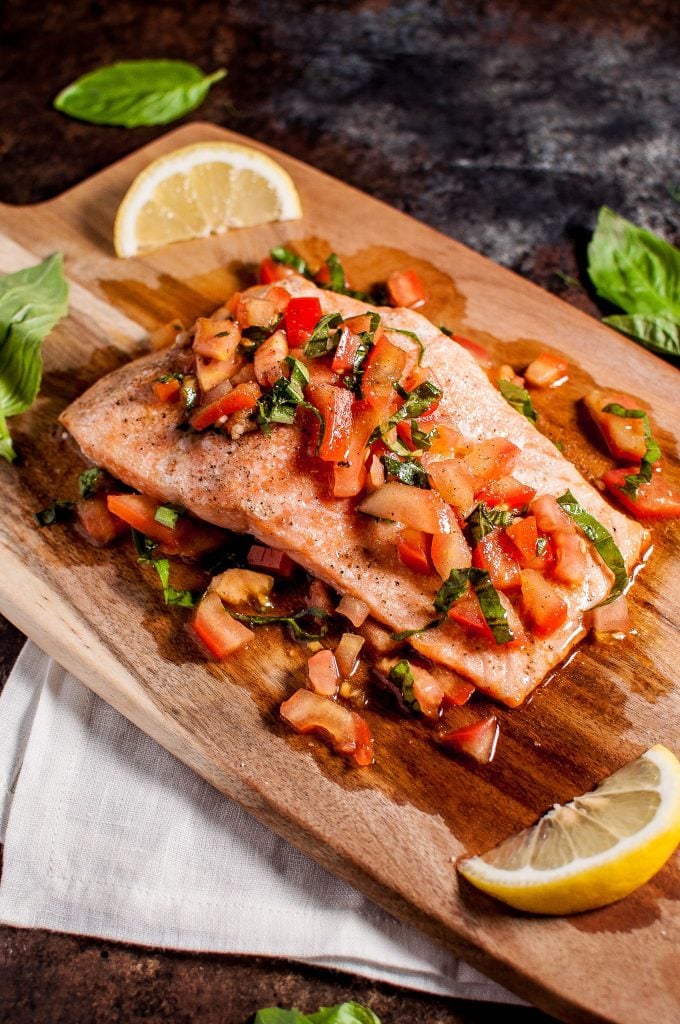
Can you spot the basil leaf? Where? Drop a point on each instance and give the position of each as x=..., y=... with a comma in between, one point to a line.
x=658, y=334
x=275, y=1015
x=320, y=342
x=252, y=337
x=354, y=380
x=182, y=598
x=519, y=398
x=402, y=677
x=407, y=472
x=336, y=274
x=634, y=268
x=137, y=92
x=601, y=539
x=291, y=621
x=57, y=512
x=167, y=516
x=492, y=609
x=451, y=590
x=652, y=450
x=446, y=330
x=482, y=520
x=413, y=337
x=281, y=254
x=343, y=1013
x=422, y=439
x=90, y=482
x=32, y=301
x=144, y=546
x=406, y=634
x=416, y=402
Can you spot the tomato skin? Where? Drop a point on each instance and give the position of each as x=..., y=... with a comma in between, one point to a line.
x=549, y=516
x=491, y=459
x=217, y=339
x=450, y=551
x=346, y=352
x=508, y=491
x=322, y=673
x=571, y=560
x=495, y=554
x=301, y=317
x=216, y=628
x=243, y=396
x=546, y=369
x=624, y=437
x=542, y=603
x=413, y=550
x=384, y=367
x=350, y=476
x=344, y=730
x=189, y=537
x=451, y=477
x=100, y=525
x=271, y=271
x=405, y=289
x=477, y=740
x=655, y=500
x=524, y=535
x=335, y=405
x=468, y=614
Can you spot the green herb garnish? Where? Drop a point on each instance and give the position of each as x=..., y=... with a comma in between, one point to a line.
x=413, y=337
x=287, y=396
x=137, y=92
x=416, y=402
x=32, y=301
x=422, y=439
x=343, y=1013
x=144, y=546
x=281, y=254
x=402, y=677
x=57, y=512
x=252, y=337
x=354, y=380
x=167, y=516
x=455, y=587
x=335, y=273
x=90, y=482
x=601, y=539
x=407, y=471
x=652, y=451
x=519, y=398
x=323, y=338
x=292, y=622
x=182, y=598
x=483, y=519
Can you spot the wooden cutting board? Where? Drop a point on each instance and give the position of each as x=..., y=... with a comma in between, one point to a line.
x=395, y=829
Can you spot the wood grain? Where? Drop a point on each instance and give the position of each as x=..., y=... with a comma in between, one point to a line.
x=392, y=830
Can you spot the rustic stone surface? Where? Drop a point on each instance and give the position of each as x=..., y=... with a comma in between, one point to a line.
x=503, y=123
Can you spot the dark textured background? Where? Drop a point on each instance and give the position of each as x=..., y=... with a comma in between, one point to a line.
x=503, y=123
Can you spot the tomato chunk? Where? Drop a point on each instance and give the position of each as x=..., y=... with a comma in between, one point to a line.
x=270, y=560
x=216, y=628
x=453, y=480
x=346, y=352
x=477, y=740
x=335, y=405
x=167, y=390
x=571, y=560
x=188, y=537
x=491, y=459
x=349, y=476
x=413, y=549
x=385, y=365
x=243, y=396
x=468, y=614
x=450, y=551
x=546, y=369
x=271, y=271
x=495, y=553
x=507, y=491
x=655, y=500
x=542, y=603
x=301, y=317
x=405, y=288
x=624, y=436
x=322, y=673
x=525, y=536
x=99, y=523
x=268, y=359
x=344, y=730
x=217, y=339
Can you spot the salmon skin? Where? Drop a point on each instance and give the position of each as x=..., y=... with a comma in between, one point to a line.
x=267, y=486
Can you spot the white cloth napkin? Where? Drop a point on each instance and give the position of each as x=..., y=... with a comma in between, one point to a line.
x=107, y=834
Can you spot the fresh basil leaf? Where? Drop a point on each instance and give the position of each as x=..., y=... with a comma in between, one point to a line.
x=451, y=590
x=299, y=375
x=182, y=598
x=406, y=634
x=321, y=341
x=634, y=268
x=137, y=92
x=144, y=546
x=652, y=451
x=90, y=482
x=167, y=516
x=601, y=539
x=402, y=677
x=285, y=398
x=490, y=603
x=482, y=520
x=658, y=333
x=408, y=471
x=252, y=337
x=416, y=402
x=413, y=337
x=32, y=301
x=519, y=398
x=422, y=439
x=336, y=274
x=281, y=254
x=275, y=1015
x=343, y=1013
x=353, y=382
x=57, y=512
x=291, y=621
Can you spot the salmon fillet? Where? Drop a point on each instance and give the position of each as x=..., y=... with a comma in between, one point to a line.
x=269, y=487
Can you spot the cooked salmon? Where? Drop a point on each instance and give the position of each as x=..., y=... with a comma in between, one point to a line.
x=268, y=486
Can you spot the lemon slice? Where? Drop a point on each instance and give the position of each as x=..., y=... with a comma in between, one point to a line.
x=201, y=190
x=594, y=850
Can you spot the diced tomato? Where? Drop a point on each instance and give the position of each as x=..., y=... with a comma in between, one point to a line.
x=491, y=459
x=349, y=476
x=271, y=271
x=344, y=730
x=280, y=297
x=98, y=522
x=411, y=506
x=167, y=390
x=504, y=371
x=525, y=536
x=611, y=618
x=301, y=317
x=322, y=673
x=495, y=553
x=243, y=396
x=323, y=276
x=477, y=740
x=347, y=654
x=655, y=500
x=448, y=438
x=346, y=352
x=450, y=551
x=624, y=436
x=477, y=351
x=542, y=603
x=427, y=690
x=318, y=595
x=468, y=614
x=212, y=372
x=507, y=491
x=453, y=480
x=375, y=474
x=549, y=516
x=335, y=405
x=188, y=538
x=216, y=628
x=270, y=560
x=268, y=359
x=405, y=289
x=546, y=369
x=413, y=549
x=217, y=339
x=457, y=691
x=354, y=609
x=571, y=560
x=385, y=365
x=255, y=311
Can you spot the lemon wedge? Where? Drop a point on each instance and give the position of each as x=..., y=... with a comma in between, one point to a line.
x=594, y=850
x=201, y=190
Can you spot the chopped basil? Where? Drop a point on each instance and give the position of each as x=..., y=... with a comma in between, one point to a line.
x=343, y=1013
x=252, y=337
x=90, y=482
x=291, y=621
x=290, y=259
x=167, y=377
x=336, y=274
x=57, y=512
x=413, y=337
x=422, y=439
x=408, y=471
x=652, y=452
x=519, y=398
x=354, y=380
x=402, y=677
x=285, y=398
x=482, y=520
x=144, y=546
x=182, y=598
x=406, y=634
x=167, y=516
x=451, y=590
x=446, y=330
x=493, y=611
x=416, y=402
x=320, y=341
x=541, y=545
x=601, y=539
